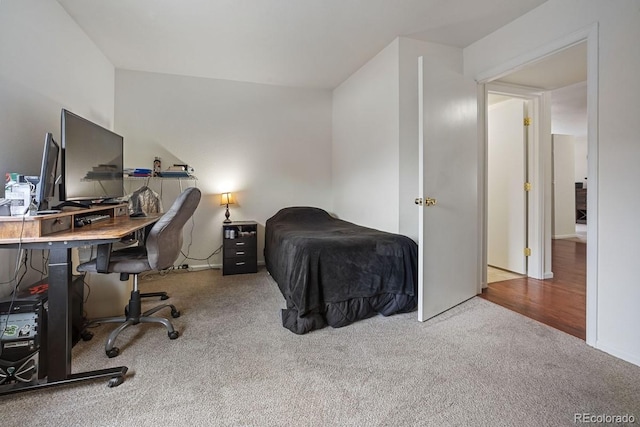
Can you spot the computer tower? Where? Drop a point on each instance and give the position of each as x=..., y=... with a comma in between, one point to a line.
x=23, y=340
x=78, y=320
x=23, y=330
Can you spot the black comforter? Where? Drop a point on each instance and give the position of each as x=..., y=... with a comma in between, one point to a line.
x=335, y=272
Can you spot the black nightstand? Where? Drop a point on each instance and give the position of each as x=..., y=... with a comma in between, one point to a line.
x=240, y=247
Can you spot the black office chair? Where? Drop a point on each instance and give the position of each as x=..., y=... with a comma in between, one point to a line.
x=160, y=251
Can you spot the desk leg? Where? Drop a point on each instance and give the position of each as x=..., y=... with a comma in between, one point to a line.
x=59, y=337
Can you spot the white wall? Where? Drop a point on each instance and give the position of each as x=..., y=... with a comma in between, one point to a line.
x=269, y=145
x=618, y=21
x=47, y=63
x=564, y=193
x=365, y=151
x=375, y=138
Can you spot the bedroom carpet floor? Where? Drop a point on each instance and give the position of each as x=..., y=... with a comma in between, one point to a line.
x=235, y=365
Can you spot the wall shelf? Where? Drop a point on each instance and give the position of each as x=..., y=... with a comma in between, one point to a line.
x=161, y=178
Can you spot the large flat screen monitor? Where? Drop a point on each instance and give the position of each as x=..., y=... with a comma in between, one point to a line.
x=92, y=161
x=45, y=188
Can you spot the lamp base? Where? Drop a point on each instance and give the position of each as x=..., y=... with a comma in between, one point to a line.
x=226, y=221
x=226, y=215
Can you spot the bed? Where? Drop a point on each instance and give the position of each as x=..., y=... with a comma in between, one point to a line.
x=333, y=272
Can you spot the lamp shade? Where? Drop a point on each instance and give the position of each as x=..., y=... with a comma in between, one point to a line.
x=226, y=199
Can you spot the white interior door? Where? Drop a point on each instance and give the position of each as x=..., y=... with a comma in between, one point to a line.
x=448, y=272
x=506, y=196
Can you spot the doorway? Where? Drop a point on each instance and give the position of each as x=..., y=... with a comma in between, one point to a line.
x=563, y=294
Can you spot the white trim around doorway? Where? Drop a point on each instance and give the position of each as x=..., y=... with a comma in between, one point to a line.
x=590, y=35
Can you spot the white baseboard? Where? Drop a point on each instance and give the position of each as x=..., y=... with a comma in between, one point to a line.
x=197, y=267
x=631, y=358
x=565, y=236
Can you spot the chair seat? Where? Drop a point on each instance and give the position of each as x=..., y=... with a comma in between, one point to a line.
x=131, y=260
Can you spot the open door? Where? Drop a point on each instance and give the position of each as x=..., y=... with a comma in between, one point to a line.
x=448, y=271
x=506, y=189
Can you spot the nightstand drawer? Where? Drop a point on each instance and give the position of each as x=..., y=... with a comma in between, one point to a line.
x=239, y=243
x=240, y=265
x=240, y=252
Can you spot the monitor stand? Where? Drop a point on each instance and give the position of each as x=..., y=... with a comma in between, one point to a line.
x=108, y=202
x=69, y=204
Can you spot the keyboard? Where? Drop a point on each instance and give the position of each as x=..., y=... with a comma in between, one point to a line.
x=91, y=219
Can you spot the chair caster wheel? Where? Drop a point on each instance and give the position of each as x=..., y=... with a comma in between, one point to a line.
x=86, y=336
x=115, y=381
x=164, y=297
x=173, y=335
x=175, y=313
x=113, y=352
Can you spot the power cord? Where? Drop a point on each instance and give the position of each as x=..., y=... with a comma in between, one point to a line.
x=215, y=252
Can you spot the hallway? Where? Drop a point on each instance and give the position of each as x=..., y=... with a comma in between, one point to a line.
x=559, y=302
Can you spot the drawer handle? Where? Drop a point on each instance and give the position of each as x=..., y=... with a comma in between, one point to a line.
x=239, y=243
x=239, y=252
x=240, y=263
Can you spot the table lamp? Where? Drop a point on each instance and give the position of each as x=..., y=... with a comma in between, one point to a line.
x=226, y=199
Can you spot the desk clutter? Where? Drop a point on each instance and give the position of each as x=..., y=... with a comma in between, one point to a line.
x=18, y=193
x=27, y=228
x=175, y=171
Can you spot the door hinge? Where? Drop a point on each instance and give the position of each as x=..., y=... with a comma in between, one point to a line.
x=527, y=186
x=527, y=121
x=527, y=251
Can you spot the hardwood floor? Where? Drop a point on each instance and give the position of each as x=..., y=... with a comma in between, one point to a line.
x=559, y=302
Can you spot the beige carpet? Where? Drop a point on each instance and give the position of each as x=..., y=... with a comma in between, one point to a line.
x=476, y=365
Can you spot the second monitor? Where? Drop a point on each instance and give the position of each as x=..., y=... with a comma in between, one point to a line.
x=92, y=161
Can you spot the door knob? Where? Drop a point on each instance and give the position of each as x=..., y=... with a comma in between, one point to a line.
x=428, y=201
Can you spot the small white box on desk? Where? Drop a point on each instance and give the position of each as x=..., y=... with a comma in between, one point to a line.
x=20, y=196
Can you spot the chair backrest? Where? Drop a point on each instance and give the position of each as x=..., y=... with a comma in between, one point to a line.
x=165, y=238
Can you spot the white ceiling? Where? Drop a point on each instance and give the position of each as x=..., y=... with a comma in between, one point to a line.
x=562, y=69
x=306, y=43
x=564, y=74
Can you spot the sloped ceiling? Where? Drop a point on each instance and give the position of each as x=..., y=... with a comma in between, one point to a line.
x=306, y=43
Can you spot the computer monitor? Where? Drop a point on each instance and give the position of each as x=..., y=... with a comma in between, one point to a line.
x=92, y=161
x=45, y=188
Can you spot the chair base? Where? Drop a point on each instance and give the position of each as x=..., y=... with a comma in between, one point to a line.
x=163, y=295
x=133, y=317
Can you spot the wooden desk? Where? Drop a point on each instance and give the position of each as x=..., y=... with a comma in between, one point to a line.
x=43, y=233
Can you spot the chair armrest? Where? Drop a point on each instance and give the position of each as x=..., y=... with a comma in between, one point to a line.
x=103, y=258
